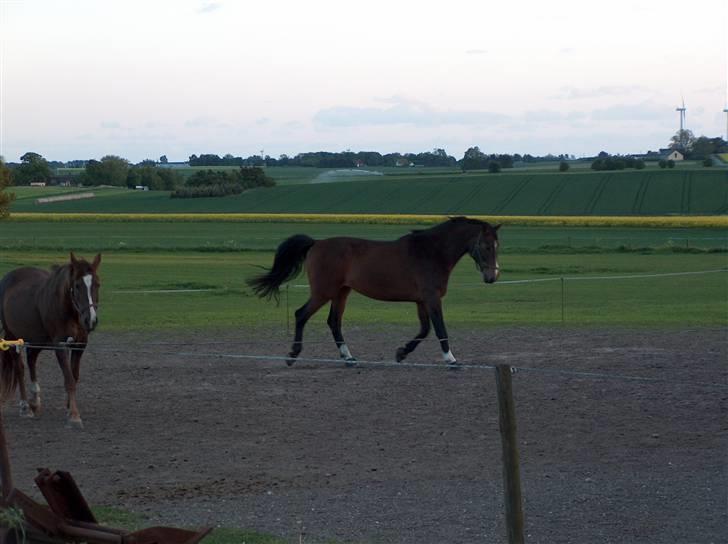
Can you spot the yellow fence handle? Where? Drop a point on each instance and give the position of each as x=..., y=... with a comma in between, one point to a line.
x=6, y=344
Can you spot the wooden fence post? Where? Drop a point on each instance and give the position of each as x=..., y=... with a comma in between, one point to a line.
x=511, y=469
x=6, y=478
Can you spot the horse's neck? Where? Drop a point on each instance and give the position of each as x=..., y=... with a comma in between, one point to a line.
x=456, y=242
x=53, y=295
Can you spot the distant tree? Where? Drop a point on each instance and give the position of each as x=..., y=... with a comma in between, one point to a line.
x=494, y=167
x=662, y=163
x=474, y=159
x=670, y=163
x=110, y=170
x=33, y=168
x=603, y=155
x=708, y=162
x=5, y=197
x=156, y=179
x=639, y=164
x=682, y=140
x=563, y=166
x=163, y=159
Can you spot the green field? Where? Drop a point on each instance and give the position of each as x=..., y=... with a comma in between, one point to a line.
x=231, y=237
x=153, y=279
x=629, y=193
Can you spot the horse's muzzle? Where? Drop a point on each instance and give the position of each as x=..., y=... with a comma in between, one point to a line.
x=490, y=275
x=90, y=323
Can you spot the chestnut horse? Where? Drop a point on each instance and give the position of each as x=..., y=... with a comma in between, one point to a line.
x=415, y=268
x=55, y=310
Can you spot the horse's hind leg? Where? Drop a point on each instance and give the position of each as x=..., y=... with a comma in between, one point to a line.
x=35, y=403
x=303, y=314
x=338, y=305
x=24, y=405
x=424, y=317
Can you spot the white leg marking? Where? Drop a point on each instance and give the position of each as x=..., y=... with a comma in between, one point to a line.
x=345, y=353
x=449, y=357
x=88, y=280
x=35, y=388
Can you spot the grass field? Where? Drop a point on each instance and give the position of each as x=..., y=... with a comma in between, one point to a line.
x=149, y=292
x=240, y=236
x=649, y=192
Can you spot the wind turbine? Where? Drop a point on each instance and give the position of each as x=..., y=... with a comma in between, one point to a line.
x=682, y=115
x=725, y=110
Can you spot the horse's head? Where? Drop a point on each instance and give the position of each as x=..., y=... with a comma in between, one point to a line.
x=484, y=252
x=84, y=290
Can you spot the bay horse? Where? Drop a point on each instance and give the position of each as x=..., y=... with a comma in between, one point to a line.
x=53, y=310
x=414, y=268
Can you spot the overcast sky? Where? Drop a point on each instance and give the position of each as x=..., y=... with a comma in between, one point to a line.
x=85, y=78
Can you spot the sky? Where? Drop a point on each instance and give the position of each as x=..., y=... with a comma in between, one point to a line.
x=82, y=79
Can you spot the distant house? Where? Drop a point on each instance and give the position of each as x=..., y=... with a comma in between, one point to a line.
x=179, y=164
x=671, y=155
x=403, y=162
x=37, y=183
x=359, y=163
x=141, y=188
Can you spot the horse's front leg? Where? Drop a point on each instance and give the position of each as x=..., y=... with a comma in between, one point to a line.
x=438, y=322
x=408, y=348
x=74, y=417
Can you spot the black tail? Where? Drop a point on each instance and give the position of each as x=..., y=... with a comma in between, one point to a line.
x=286, y=266
x=9, y=371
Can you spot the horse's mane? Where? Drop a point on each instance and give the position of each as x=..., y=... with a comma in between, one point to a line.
x=437, y=229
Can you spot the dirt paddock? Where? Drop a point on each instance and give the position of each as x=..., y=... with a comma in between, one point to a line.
x=411, y=455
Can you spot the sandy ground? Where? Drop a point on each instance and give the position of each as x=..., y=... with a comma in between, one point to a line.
x=398, y=454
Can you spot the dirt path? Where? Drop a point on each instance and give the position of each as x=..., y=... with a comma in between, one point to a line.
x=407, y=455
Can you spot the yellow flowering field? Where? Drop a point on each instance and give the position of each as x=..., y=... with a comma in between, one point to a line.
x=384, y=219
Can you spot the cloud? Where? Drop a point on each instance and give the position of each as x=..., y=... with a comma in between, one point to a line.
x=209, y=7
x=110, y=124
x=262, y=121
x=574, y=93
x=551, y=116
x=204, y=121
x=403, y=112
x=644, y=111
x=476, y=52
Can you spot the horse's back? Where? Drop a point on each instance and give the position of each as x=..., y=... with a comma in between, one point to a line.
x=371, y=267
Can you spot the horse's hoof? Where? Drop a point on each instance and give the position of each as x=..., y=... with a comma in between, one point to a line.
x=26, y=411
x=350, y=362
x=454, y=365
x=291, y=359
x=74, y=423
x=401, y=355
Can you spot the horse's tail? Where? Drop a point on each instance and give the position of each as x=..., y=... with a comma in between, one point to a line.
x=286, y=266
x=9, y=371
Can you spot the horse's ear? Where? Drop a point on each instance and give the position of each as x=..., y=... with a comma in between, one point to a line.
x=97, y=262
x=73, y=259
x=497, y=227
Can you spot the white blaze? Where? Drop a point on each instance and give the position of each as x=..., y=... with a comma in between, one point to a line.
x=449, y=357
x=88, y=280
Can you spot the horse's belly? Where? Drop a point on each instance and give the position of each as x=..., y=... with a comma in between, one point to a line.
x=21, y=317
